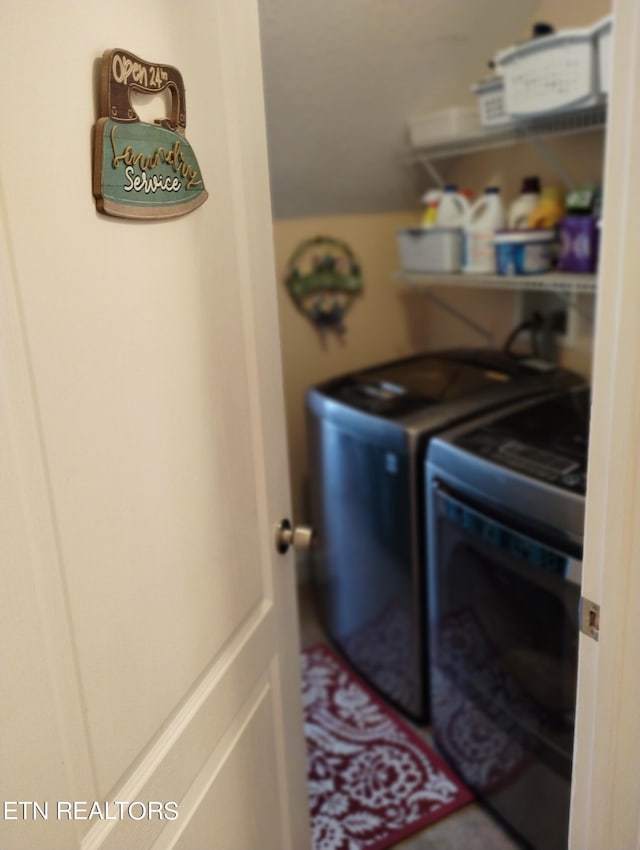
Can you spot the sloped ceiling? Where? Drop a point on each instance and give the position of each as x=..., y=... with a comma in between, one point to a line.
x=341, y=79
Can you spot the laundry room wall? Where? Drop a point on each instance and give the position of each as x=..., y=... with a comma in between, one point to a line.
x=578, y=158
x=581, y=157
x=391, y=320
x=384, y=323
x=388, y=321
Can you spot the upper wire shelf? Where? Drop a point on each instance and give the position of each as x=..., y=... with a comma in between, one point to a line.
x=557, y=124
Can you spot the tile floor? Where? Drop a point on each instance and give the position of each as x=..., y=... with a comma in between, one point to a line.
x=471, y=828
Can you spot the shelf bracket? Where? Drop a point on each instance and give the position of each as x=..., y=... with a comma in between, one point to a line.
x=462, y=317
x=549, y=158
x=532, y=294
x=433, y=172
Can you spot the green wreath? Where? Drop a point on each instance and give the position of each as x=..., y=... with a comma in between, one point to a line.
x=323, y=279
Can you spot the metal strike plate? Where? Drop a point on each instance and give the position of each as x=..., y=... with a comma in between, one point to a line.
x=589, y=618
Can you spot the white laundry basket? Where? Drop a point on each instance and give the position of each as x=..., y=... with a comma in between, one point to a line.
x=603, y=38
x=550, y=73
x=491, y=102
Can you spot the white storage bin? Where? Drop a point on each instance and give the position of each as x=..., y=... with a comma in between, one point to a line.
x=431, y=249
x=491, y=103
x=603, y=38
x=550, y=73
x=444, y=125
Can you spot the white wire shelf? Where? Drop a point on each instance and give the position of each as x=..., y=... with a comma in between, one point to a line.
x=543, y=127
x=558, y=282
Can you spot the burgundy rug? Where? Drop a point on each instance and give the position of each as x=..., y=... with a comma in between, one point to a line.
x=372, y=780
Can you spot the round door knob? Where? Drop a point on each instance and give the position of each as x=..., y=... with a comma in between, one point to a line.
x=299, y=537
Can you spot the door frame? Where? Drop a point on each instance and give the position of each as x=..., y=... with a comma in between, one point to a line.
x=605, y=809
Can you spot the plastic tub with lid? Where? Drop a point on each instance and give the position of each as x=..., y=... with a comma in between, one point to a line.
x=524, y=252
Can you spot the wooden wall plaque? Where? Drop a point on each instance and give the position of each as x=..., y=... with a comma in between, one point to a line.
x=141, y=170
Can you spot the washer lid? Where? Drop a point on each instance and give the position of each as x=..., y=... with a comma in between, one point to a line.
x=394, y=389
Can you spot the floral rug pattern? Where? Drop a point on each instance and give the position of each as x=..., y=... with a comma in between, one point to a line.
x=372, y=780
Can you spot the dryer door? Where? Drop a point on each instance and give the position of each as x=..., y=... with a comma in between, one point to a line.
x=504, y=648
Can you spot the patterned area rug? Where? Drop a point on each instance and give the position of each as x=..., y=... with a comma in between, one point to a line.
x=372, y=780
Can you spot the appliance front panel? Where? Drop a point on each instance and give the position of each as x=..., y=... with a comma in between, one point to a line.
x=504, y=628
x=363, y=563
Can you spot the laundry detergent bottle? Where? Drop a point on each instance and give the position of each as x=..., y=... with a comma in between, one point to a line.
x=431, y=201
x=549, y=210
x=485, y=216
x=453, y=208
x=524, y=204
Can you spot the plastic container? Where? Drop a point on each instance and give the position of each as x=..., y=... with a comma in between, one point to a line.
x=524, y=204
x=524, y=252
x=486, y=215
x=431, y=201
x=603, y=39
x=445, y=125
x=584, y=200
x=550, y=73
x=433, y=249
x=549, y=210
x=579, y=243
x=453, y=208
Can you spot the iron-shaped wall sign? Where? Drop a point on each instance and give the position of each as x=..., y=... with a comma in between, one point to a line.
x=141, y=170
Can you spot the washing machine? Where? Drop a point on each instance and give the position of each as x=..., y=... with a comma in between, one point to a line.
x=505, y=531
x=368, y=432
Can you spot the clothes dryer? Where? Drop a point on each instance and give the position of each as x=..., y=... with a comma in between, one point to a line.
x=368, y=432
x=505, y=533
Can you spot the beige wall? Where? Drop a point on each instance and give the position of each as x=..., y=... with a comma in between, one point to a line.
x=390, y=321
x=581, y=157
x=572, y=13
x=385, y=322
x=574, y=159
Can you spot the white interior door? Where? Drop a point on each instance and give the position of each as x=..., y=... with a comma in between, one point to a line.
x=148, y=642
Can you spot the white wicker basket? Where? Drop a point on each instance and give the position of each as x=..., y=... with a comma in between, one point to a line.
x=550, y=73
x=444, y=125
x=491, y=102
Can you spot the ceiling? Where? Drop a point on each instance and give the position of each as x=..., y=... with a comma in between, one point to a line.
x=342, y=77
